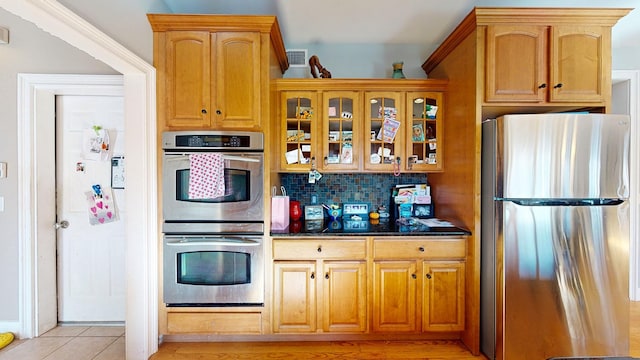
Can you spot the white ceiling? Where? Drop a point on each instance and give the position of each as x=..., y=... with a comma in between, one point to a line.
x=420, y=22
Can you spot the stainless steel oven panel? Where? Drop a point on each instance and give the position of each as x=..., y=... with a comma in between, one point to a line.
x=176, y=294
x=191, y=211
x=245, y=228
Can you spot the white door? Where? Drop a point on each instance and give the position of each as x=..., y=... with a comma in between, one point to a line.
x=91, y=257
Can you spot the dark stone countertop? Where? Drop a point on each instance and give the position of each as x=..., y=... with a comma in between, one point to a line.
x=384, y=227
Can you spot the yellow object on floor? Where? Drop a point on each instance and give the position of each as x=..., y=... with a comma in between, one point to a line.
x=5, y=339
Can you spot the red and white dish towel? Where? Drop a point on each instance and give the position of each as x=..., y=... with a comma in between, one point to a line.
x=206, y=180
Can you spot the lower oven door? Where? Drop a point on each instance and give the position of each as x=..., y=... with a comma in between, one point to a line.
x=213, y=270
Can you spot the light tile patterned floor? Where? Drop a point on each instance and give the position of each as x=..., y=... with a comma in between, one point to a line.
x=70, y=342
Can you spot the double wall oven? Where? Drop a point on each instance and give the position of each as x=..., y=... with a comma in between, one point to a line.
x=213, y=248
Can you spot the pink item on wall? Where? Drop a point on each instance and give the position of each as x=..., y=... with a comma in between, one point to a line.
x=206, y=180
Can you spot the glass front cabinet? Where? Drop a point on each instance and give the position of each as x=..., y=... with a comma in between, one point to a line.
x=300, y=127
x=384, y=131
x=424, y=131
x=341, y=130
x=361, y=126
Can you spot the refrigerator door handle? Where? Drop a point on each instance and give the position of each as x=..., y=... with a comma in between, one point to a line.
x=567, y=202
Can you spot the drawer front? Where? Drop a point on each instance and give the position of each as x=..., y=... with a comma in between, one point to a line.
x=420, y=249
x=214, y=323
x=319, y=249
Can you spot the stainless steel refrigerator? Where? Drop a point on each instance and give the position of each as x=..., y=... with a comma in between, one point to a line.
x=555, y=236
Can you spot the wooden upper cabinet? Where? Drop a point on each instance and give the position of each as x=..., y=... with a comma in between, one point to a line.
x=580, y=55
x=236, y=103
x=516, y=63
x=214, y=71
x=560, y=63
x=187, y=63
x=228, y=99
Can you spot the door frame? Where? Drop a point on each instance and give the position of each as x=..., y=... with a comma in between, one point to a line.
x=37, y=139
x=633, y=76
x=141, y=224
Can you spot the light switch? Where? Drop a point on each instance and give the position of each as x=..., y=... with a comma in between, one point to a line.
x=3, y=169
x=1, y=203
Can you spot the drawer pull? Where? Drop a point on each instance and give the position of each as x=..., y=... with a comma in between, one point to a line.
x=326, y=276
x=413, y=276
x=313, y=275
x=319, y=248
x=421, y=248
x=428, y=276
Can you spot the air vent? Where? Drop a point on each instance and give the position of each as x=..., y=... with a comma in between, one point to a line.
x=297, y=57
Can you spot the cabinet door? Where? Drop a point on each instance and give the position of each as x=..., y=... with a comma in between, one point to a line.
x=443, y=296
x=394, y=296
x=577, y=69
x=341, y=133
x=294, y=296
x=424, y=131
x=516, y=63
x=187, y=75
x=344, y=300
x=299, y=124
x=237, y=80
x=384, y=131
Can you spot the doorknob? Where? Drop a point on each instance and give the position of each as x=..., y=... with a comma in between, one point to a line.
x=61, y=225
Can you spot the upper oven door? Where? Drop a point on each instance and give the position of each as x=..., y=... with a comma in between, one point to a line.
x=243, y=199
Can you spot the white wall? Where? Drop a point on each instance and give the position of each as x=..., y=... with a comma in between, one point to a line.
x=30, y=50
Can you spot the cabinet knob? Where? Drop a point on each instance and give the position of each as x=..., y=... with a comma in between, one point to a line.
x=558, y=86
x=313, y=275
x=204, y=111
x=421, y=248
x=326, y=276
x=218, y=112
x=413, y=276
x=542, y=86
x=319, y=248
x=326, y=160
x=428, y=276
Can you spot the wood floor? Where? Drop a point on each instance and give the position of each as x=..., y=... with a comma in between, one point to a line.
x=79, y=343
x=441, y=350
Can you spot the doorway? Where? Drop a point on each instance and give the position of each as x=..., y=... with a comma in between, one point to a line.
x=38, y=216
x=89, y=148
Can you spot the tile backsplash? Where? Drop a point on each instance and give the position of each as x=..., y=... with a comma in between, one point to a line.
x=374, y=189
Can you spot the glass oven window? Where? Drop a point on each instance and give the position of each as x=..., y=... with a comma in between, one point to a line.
x=214, y=268
x=237, y=186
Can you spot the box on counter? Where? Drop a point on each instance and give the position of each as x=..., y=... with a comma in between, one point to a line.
x=412, y=194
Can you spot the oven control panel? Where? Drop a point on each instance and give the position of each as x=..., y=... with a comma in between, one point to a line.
x=212, y=140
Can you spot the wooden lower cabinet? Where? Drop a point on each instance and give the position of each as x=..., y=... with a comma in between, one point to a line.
x=443, y=295
x=294, y=296
x=394, y=296
x=319, y=285
x=369, y=285
x=401, y=268
x=332, y=291
x=344, y=300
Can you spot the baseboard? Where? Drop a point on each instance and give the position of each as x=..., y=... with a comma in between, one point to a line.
x=10, y=326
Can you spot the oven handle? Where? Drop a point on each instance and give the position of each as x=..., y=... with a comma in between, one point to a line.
x=185, y=156
x=222, y=241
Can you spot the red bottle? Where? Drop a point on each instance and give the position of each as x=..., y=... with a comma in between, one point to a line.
x=295, y=212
